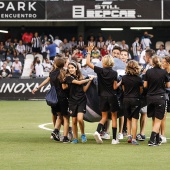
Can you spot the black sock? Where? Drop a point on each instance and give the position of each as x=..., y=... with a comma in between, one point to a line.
x=157, y=138
x=99, y=127
x=65, y=137
x=153, y=136
x=56, y=130
x=114, y=132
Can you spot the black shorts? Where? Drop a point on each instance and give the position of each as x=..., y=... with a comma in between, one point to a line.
x=109, y=103
x=156, y=106
x=75, y=108
x=35, y=50
x=168, y=106
x=120, y=113
x=131, y=107
x=61, y=106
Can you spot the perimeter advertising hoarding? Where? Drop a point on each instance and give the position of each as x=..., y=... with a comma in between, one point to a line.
x=84, y=10
x=20, y=89
x=102, y=9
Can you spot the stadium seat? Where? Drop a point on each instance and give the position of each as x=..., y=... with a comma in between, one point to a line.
x=167, y=45
x=119, y=43
x=158, y=43
x=27, y=69
x=29, y=56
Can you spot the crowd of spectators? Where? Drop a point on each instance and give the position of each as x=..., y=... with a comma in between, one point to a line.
x=13, y=52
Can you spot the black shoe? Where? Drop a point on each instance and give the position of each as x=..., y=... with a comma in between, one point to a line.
x=55, y=135
x=160, y=141
x=150, y=143
x=66, y=140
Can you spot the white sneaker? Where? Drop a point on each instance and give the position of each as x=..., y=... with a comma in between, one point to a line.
x=105, y=136
x=114, y=142
x=163, y=139
x=61, y=138
x=120, y=136
x=51, y=137
x=97, y=137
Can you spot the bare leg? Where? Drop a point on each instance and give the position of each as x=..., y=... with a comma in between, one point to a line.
x=129, y=126
x=121, y=123
x=134, y=128
x=74, y=127
x=66, y=124
x=81, y=122
x=163, y=125
x=143, y=123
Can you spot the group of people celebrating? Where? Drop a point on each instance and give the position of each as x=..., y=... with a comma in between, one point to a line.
x=140, y=83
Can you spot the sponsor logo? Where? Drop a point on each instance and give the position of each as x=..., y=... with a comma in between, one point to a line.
x=105, y=10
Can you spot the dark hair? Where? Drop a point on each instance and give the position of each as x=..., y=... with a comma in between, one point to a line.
x=78, y=72
x=167, y=58
x=156, y=61
x=125, y=51
x=35, y=60
x=150, y=52
x=116, y=48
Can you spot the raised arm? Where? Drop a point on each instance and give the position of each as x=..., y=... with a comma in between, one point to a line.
x=90, y=48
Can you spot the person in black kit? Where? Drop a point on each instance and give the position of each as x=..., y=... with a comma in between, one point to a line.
x=77, y=98
x=155, y=80
x=61, y=108
x=132, y=86
x=107, y=85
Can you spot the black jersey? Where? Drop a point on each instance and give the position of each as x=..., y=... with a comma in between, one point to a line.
x=106, y=78
x=132, y=86
x=77, y=95
x=54, y=81
x=156, y=78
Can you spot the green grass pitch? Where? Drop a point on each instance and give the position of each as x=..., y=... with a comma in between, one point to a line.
x=24, y=146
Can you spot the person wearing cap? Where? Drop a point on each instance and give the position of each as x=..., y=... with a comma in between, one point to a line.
x=16, y=66
x=8, y=62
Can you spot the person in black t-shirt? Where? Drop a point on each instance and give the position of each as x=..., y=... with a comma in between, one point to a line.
x=107, y=85
x=60, y=111
x=166, y=66
x=155, y=80
x=77, y=99
x=132, y=86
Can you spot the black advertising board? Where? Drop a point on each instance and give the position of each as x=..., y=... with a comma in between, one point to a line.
x=20, y=89
x=22, y=10
x=85, y=10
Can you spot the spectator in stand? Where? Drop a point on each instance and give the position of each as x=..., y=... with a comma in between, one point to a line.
x=124, y=45
x=39, y=70
x=36, y=44
x=2, y=49
x=104, y=51
x=78, y=54
x=32, y=67
x=15, y=42
x=80, y=44
x=66, y=45
x=100, y=43
x=111, y=46
x=27, y=37
x=9, y=63
x=145, y=40
x=162, y=52
x=136, y=49
x=17, y=66
x=5, y=72
x=47, y=65
x=7, y=43
x=11, y=48
x=67, y=54
x=92, y=41
x=58, y=42
x=95, y=53
x=124, y=55
x=84, y=52
x=20, y=48
x=109, y=40
x=52, y=49
x=73, y=42
x=116, y=52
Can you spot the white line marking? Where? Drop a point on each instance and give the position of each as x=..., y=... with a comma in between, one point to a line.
x=43, y=127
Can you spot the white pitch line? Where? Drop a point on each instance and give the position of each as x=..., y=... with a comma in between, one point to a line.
x=43, y=127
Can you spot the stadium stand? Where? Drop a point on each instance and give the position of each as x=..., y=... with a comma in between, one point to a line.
x=167, y=45
x=158, y=43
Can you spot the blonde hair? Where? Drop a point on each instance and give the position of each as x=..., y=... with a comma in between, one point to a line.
x=156, y=61
x=132, y=68
x=108, y=60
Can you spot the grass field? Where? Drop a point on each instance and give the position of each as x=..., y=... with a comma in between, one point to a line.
x=24, y=146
